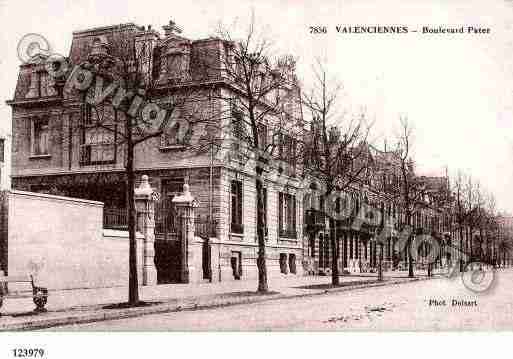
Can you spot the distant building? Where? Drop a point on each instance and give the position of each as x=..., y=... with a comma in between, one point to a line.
x=379, y=190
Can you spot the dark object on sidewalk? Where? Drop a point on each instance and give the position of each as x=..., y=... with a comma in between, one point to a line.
x=39, y=294
x=126, y=305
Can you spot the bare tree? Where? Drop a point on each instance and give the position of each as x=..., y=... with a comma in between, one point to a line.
x=411, y=190
x=483, y=220
x=474, y=199
x=262, y=118
x=337, y=153
x=490, y=223
x=124, y=107
x=461, y=210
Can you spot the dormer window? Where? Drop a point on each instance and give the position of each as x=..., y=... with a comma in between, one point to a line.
x=175, y=62
x=39, y=137
x=100, y=46
x=41, y=85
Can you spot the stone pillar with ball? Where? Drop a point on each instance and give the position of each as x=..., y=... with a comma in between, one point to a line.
x=145, y=207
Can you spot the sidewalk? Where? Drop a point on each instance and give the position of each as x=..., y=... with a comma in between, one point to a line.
x=88, y=305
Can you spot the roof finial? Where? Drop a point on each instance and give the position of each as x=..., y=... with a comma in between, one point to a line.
x=171, y=28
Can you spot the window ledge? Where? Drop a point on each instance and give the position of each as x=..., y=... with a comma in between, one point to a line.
x=236, y=236
x=34, y=157
x=171, y=147
x=285, y=239
x=97, y=163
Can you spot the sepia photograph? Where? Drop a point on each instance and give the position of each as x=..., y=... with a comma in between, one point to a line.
x=335, y=166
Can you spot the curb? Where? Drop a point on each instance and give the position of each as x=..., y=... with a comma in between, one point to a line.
x=185, y=305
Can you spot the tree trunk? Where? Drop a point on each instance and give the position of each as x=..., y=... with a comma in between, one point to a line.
x=487, y=249
x=380, y=266
x=411, y=274
x=334, y=250
x=461, y=250
x=133, y=285
x=481, y=242
x=262, y=268
x=471, y=247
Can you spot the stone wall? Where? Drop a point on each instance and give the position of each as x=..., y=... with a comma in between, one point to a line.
x=62, y=241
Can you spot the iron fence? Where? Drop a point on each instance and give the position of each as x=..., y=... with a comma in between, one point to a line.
x=167, y=222
x=115, y=218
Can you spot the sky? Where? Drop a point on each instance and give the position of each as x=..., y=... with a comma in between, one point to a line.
x=456, y=90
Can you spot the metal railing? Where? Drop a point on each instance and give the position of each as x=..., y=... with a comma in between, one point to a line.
x=315, y=219
x=288, y=233
x=167, y=222
x=115, y=218
x=205, y=228
x=166, y=219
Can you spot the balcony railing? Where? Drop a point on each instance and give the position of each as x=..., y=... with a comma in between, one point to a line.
x=288, y=233
x=315, y=219
x=97, y=154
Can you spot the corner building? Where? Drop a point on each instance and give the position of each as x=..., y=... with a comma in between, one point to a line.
x=58, y=150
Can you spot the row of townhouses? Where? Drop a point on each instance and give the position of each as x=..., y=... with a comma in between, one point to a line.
x=51, y=154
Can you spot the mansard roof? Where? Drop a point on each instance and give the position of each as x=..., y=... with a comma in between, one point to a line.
x=118, y=37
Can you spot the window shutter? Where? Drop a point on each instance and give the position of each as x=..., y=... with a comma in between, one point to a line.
x=2, y=150
x=280, y=211
x=32, y=123
x=239, y=200
x=293, y=212
x=233, y=202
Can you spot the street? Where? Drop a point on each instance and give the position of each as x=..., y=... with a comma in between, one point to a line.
x=437, y=304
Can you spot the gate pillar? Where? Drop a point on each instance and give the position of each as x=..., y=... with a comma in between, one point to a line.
x=185, y=205
x=145, y=207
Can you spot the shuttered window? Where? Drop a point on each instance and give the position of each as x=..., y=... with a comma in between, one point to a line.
x=287, y=215
x=236, y=207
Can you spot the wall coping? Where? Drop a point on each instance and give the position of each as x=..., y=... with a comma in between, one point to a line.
x=63, y=171
x=54, y=197
x=120, y=234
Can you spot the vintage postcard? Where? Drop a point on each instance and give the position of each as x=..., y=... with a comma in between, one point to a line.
x=256, y=166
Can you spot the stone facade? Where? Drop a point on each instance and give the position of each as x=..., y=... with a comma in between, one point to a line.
x=50, y=138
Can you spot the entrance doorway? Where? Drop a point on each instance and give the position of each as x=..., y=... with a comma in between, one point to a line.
x=283, y=263
x=206, y=260
x=236, y=264
x=292, y=263
x=167, y=261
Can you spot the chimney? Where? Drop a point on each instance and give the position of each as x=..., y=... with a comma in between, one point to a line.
x=171, y=29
